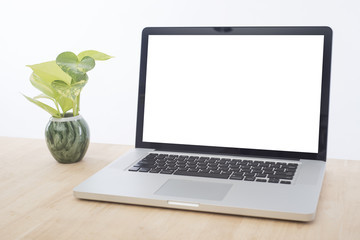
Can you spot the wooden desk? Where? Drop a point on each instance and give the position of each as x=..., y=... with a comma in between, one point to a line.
x=36, y=202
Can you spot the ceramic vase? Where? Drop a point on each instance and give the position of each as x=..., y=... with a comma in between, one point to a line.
x=67, y=138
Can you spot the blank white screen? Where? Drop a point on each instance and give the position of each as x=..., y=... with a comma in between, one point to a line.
x=250, y=91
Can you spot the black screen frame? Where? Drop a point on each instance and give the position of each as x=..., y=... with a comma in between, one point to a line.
x=325, y=89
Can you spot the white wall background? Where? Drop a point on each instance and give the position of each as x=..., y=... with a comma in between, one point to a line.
x=36, y=31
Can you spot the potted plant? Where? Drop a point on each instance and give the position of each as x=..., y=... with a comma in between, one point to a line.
x=67, y=133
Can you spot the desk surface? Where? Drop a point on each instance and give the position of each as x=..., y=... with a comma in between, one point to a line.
x=36, y=202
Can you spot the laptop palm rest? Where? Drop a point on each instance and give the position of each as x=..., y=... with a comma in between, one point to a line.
x=194, y=189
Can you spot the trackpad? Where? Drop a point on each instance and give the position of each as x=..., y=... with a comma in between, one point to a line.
x=194, y=189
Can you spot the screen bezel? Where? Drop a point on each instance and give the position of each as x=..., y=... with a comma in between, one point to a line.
x=325, y=89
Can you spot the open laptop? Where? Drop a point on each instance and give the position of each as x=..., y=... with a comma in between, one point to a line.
x=230, y=120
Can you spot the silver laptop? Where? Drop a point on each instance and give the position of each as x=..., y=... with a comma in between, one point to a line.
x=230, y=120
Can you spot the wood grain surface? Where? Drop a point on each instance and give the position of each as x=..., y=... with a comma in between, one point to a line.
x=36, y=202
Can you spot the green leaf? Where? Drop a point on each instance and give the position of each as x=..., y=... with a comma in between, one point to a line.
x=86, y=64
x=69, y=91
x=47, y=108
x=44, y=96
x=65, y=103
x=50, y=71
x=42, y=85
x=70, y=64
x=50, y=98
x=45, y=87
x=76, y=88
x=99, y=56
x=62, y=88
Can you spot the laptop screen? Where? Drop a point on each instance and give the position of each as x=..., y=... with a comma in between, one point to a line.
x=234, y=91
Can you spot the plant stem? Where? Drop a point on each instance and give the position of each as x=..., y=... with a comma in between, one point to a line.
x=78, y=103
x=57, y=107
x=76, y=106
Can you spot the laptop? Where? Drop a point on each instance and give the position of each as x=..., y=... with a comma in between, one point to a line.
x=230, y=120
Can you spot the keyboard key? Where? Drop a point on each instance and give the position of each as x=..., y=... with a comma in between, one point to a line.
x=273, y=180
x=202, y=167
x=143, y=165
x=280, y=176
x=261, y=180
x=171, y=168
x=253, y=164
x=167, y=171
x=256, y=171
x=237, y=177
x=264, y=165
x=160, y=163
x=200, y=174
x=285, y=182
x=240, y=174
x=293, y=164
x=291, y=170
x=261, y=175
x=249, y=174
x=134, y=169
x=224, y=165
x=224, y=168
x=289, y=174
x=144, y=169
x=249, y=179
x=270, y=169
x=213, y=168
x=183, y=168
x=279, y=170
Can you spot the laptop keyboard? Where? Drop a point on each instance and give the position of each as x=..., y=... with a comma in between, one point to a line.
x=211, y=167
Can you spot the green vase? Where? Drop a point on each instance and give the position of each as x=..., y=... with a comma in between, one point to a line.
x=67, y=138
